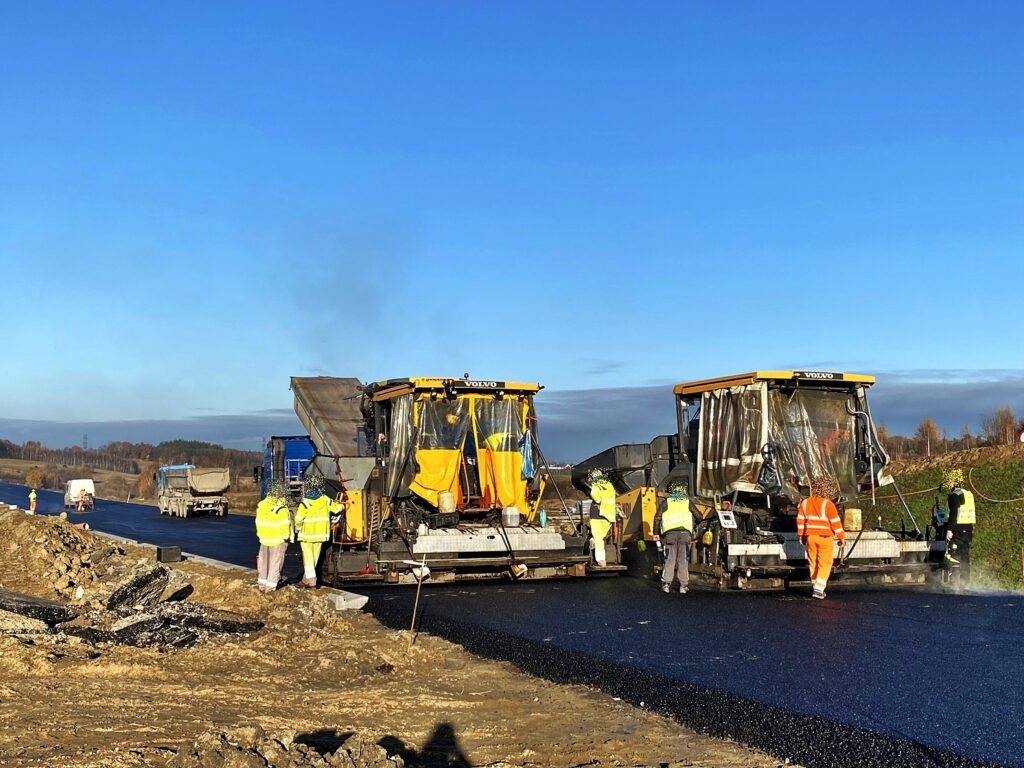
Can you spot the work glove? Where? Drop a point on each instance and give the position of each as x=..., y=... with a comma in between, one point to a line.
x=842, y=543
x=657, y=537
x=949, y=535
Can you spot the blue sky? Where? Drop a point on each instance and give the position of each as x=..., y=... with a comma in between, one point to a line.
x=200, y=200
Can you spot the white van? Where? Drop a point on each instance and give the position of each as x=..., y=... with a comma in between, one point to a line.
x=80, y=489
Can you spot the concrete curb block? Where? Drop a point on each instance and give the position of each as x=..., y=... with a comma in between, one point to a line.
x=341, y=600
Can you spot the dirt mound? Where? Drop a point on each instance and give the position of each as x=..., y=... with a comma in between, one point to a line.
x=251, y=747
x=46, y=556
x=104, y=597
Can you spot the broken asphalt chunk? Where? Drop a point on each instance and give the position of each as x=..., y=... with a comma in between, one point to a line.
x=35, y=607
x=91, y=635
x=16, y=624
x=129, y=627
x=209, y=619
x=142, y=590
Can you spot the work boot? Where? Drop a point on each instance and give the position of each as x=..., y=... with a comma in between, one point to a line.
x=818, y=594
x=665, y=586
x=683, y=590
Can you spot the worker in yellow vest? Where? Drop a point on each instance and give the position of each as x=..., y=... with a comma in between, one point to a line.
x=313, y=525
x=602, y=512
x=674, y=526
x=32, y=502
x=960, y=523
x=274, y=530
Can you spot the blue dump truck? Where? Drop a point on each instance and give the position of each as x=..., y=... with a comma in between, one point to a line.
x=285, y=458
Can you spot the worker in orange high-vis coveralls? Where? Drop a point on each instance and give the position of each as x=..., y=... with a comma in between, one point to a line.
x=818, y=526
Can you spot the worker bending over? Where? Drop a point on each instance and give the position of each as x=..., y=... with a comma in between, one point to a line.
x=274, y=530
x=313, y=525
x=818, y=525
x=960, y=524
x=674, y=526
x=602, y=512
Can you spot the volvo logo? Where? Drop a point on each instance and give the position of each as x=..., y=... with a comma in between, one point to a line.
x=817, y=375
x=479, y=384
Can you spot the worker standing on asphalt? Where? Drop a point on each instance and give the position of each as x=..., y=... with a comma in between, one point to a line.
x=602, y=512
x=817, y=525
x=313, y=525
x=274, y=530
x=673, y=525
x=959, y=524
x=32, y=502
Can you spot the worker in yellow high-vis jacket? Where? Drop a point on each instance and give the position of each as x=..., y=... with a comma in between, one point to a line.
x=602, y=512
x=274, y=530
x=313, y=525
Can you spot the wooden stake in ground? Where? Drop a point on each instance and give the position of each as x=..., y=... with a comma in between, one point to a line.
x=421, y=572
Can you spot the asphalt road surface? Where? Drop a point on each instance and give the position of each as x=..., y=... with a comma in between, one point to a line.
x=865, y=678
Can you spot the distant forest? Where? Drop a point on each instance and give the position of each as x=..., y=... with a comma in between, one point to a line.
x=130, y=457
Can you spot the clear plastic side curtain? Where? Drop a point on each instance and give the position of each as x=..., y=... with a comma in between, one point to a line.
x=442, y=424
x=399, y=442
x=814, y=434
x=498, y=423
x=732, y=433
x=499, y=430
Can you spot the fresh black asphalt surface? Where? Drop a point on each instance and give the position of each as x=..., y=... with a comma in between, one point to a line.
x=865, y=678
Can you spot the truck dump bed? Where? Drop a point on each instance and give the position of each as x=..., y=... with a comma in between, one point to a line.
x=209, y=480
x=329, y=409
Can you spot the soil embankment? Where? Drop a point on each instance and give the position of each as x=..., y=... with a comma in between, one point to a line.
x=311, y=688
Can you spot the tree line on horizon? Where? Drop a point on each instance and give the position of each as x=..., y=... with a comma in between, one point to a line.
x=136, y=458
x=1002, y=427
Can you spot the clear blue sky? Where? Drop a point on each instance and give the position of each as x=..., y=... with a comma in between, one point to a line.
x=199, y=200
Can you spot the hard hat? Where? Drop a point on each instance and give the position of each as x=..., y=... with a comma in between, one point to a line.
x=707, y=538
x=278, y=490
x=824, y=487
x=953, y=478
x=678, y=488
x=312, y=486
x=596, y=475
